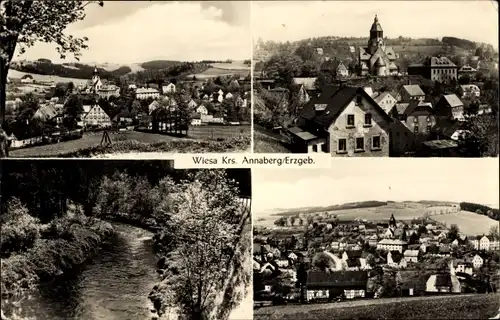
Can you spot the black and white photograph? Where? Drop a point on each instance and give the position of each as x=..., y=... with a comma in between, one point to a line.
x=376, y=78
x=131, y=240
x=356, y=243
x=120, y=79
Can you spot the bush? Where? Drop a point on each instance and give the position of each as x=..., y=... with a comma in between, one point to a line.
x=19, y=229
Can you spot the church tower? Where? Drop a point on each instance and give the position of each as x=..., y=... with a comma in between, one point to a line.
x=376, y=36
x=96, y=81
x=392, y=222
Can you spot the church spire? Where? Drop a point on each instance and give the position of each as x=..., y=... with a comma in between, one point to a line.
x=376, y=19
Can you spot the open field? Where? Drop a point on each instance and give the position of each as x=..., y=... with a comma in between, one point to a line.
x=235, y=65
x=223, y=70
x=469, y=223
x=88, y=140
x=14, y=74
x=217, y=132
x=402, y=211
x=479, y=306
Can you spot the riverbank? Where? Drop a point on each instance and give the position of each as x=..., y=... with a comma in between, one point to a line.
x=63, y=244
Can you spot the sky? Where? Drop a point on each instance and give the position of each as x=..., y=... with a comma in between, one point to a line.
x=139, y=31
x=296, y=20
x=352, y=180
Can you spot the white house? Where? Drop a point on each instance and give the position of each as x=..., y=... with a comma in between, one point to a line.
x=96, y=116
x=391, y=245
x=292, y=256
x=282, y=263
x=485, y=243
x=229, y=95
x=411, y=255
x=144, y=93
x=469, y=91
x=202, y=110
x=169, y=88
x=196, y=120
x=192, y=104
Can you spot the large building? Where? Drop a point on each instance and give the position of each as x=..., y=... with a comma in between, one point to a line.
x=377, y=59
x=435, y=68
x=343, y=121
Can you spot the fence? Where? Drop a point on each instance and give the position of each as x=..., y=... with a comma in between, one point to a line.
x=216, y=132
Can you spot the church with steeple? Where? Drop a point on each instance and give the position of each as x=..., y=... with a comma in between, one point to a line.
x=377, y=59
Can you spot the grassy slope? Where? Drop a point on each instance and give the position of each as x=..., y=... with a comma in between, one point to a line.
x=266, y=144
x=469, y=223
x=89, y=146
x=451, y=307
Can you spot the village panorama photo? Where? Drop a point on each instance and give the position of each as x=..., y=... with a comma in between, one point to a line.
x=376, y=78
x=128, y=240
x=108, y=78
x=354, y=243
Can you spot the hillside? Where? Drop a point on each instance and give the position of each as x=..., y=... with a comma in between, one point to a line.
x=407, y=48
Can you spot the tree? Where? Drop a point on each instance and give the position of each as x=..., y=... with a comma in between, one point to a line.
x=73, y=108
x=494, y=233
x=323, y=261
x=23, y=23
x=454, y=232
x=205, y=244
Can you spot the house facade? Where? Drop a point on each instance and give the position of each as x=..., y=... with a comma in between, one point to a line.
x=145, y=93
x=450, y=107
x=345, y=122
x=386, y=101
x=96, y=117
x=437, y=68
x=411, y=92
x=469, y=91
x=392, y=245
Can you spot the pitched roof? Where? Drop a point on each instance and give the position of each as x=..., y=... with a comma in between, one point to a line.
x=401, y=107
x=336, y=99
x=414, y=90
x=392, y=242
x=411, y=253
x=336, y=279
x=380, y=62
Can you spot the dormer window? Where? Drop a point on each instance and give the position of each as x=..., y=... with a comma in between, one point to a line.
x=320, y=107
x=358, y=100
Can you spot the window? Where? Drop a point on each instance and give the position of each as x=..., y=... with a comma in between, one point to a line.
x=429, y=126
x=342, y=145
x=315, y=148
x=415, y=128
x=375, y=142
x=368, y=119
x=360, y=144
x=324, y=147
x=350, y=120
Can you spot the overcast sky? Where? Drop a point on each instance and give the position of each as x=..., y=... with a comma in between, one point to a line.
x=351, y=180
x=295, y=20
x=138, y=31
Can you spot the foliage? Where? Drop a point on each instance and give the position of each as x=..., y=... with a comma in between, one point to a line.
x=481, y=209
x=453, y=232
x=205, y=236
x=323, y=261
x=19, y=229
x=73, y=107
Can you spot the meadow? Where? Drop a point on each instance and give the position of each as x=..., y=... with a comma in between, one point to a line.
x=88, y=140
x=265, y=143
x=469, y=223
x=14, y=74
x=479, y=306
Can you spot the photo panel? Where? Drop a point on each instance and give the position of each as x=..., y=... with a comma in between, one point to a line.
x=115, y=239
x=125, y=78
x=365, y=241
x=369, y=79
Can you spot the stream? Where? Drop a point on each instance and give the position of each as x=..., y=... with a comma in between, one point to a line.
x=114, y=285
